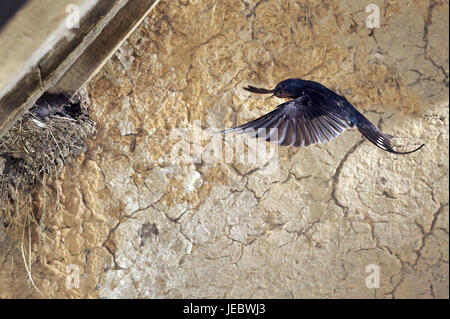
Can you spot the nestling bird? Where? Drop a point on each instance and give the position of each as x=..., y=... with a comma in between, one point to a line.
x=315, y=114
x=55, y=104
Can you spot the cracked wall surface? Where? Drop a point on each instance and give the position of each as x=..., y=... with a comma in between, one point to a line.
x=138, y=225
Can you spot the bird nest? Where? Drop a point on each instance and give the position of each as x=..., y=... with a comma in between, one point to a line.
x=53, y=132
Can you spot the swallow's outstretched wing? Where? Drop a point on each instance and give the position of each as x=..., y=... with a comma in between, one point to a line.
x=306, y=120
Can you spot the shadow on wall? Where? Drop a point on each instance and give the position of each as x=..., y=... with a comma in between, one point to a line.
x=8, y=9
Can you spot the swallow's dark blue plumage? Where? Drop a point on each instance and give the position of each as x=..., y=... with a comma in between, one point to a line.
x=314, y=115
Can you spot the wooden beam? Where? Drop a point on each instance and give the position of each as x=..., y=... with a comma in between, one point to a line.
x=74, y=58
x=104, y=46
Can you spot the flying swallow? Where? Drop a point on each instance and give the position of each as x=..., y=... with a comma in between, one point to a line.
x=315, y=114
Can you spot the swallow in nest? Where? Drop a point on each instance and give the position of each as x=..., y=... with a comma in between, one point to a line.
x=50, y=104
x=315, y=114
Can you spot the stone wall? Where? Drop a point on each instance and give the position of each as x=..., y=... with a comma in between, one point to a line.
x=138, y=225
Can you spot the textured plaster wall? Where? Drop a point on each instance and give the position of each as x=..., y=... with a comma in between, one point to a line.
x=138, y=225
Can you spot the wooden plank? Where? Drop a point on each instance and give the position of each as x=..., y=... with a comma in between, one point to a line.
x=30, y=79
x=27, y=36
x=74, y=59
x=96, y=55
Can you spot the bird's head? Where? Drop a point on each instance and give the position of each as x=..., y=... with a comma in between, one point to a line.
x=290, y=88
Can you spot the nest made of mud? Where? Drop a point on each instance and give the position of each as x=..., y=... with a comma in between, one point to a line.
x=48, y=136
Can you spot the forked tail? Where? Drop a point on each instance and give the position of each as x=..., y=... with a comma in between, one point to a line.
x=380, y=139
